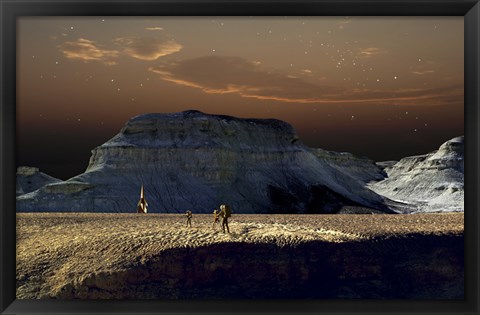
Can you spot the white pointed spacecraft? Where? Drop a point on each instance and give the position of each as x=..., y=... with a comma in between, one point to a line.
x=142, y=204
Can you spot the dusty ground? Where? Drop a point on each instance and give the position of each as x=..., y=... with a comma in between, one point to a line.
x=54, y=248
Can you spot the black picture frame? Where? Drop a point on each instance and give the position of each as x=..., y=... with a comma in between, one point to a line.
x=10, y=10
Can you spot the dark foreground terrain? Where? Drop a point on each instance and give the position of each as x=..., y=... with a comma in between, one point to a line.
x=130, y=256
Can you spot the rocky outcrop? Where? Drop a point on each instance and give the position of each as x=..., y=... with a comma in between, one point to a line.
x=191, y=160
x=431, y=182
x=30, y=179
x=361, y=169
x=386, y=165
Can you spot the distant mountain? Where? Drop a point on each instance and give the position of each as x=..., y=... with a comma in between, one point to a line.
x=192, y=160
x=427, y=183
x=30, y=179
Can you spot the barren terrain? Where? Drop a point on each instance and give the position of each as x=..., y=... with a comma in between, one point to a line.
x=85, y=255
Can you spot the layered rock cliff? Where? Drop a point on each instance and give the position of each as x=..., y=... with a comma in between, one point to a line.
x=430, y=182
x=30, y=179
x=361, y=169
x=191, y=160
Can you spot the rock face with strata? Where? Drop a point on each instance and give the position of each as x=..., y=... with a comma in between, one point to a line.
x=30, y=179
x=428, y=183
x=191, y=160
x=361, y=169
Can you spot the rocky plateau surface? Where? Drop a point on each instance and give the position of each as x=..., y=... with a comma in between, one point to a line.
x=155, y=256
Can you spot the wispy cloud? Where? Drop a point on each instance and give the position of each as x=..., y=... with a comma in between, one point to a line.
x=143, y=48
x=423, y=72
x=234, y=75
x=88, y=50
x=147, y=48
x=307, y=71
x=370, y=52
x=156, y=28
x=221, y=75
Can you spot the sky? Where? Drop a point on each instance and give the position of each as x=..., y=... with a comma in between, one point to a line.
x=379, y=87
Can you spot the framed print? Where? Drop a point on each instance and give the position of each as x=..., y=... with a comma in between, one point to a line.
x=239, y=157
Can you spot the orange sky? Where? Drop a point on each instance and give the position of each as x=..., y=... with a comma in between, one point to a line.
x=382, y=87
